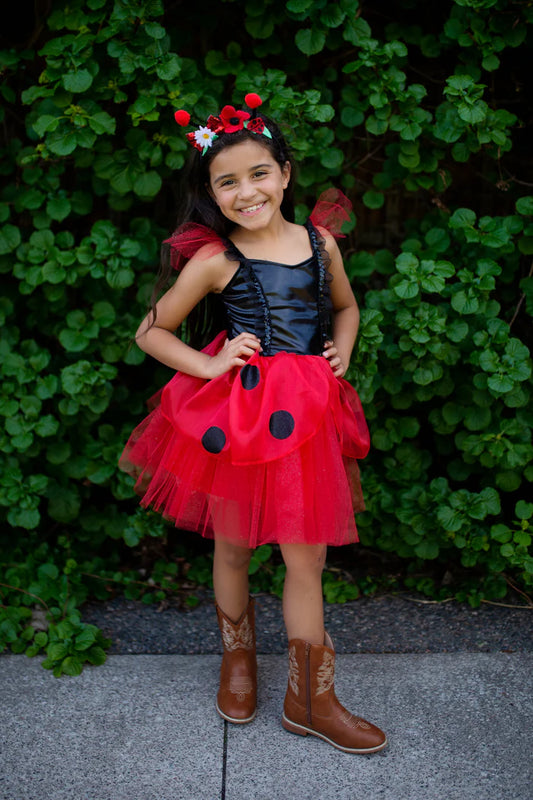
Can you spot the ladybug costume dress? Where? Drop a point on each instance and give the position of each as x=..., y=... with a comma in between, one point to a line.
x=266, y=452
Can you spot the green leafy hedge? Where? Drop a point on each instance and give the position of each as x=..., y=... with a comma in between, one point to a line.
x=420, y=114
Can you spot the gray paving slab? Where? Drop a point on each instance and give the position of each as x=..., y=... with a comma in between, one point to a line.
x=144, y=728
x=459, y=728
x=136, y=728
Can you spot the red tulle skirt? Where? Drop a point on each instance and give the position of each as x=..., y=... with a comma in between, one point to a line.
x=264, y=453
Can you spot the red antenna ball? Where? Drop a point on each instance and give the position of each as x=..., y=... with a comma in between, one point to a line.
x=253, y=100
x=182, y=117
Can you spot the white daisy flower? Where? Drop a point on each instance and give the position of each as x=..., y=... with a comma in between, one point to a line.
x=204, y=136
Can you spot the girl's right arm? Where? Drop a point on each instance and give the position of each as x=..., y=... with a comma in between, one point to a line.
x=197, y=278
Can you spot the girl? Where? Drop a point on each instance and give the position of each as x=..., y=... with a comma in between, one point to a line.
x=256, y=437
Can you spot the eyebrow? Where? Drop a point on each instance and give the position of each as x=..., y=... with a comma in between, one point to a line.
x=231, y=174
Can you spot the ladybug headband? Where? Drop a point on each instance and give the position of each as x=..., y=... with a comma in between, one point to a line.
x=228, y=121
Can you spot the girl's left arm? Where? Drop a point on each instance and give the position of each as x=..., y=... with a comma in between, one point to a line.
x=345, y=313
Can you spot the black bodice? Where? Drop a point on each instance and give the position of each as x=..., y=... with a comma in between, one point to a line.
x=288, y=307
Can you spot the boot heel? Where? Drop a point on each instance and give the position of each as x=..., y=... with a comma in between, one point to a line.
x=292, y=727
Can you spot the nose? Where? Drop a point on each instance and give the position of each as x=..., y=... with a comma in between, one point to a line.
x=246, y=190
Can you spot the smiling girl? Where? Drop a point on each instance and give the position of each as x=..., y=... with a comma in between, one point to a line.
x=257, y=436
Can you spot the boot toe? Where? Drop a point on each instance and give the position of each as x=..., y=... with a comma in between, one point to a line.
x=236, y=712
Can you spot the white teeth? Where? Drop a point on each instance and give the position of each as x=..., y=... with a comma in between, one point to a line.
x=252, y=208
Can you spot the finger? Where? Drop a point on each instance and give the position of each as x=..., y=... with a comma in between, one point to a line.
x=245, y=351
x=246, y=335
x=251, y=344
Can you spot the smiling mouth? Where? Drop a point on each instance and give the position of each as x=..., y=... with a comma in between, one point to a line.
x=251, y=209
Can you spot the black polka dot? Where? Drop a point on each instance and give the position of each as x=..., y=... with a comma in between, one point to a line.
x=249, y=376
x=281, y=424
x=214, y=439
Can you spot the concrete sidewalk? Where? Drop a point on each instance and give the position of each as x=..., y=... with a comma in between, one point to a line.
x=144, y=728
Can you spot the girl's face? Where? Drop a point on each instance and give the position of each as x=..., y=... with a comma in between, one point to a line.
x=247, y=184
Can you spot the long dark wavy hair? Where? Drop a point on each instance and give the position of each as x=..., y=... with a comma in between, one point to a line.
x=198, y=206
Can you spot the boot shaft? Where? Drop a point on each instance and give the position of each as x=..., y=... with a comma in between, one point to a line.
x=311, y=677
x=238, y=635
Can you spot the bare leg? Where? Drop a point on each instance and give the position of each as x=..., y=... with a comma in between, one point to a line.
x=230, y=578
x=303, y=609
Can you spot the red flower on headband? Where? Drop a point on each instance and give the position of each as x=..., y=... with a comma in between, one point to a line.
x=233, y=120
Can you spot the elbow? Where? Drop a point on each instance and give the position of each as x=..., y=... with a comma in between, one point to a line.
x=141, y=335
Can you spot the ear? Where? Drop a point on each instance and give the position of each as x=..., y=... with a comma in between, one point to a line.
x=286, y=174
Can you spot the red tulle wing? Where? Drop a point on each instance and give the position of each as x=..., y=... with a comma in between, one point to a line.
x=188, y=239
x=332, y=209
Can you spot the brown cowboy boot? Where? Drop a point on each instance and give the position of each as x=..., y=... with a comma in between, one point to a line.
x=237, y=696
x=312, y=707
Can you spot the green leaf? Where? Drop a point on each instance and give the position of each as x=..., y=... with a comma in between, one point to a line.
x=104, y=313
x=72, y=666
x=457, y=330
x=41, y=639
x=524, y=510
x=427, y=549
x=48, y=572
x=53, y=272
x=155, y=30
x=78, y=81
x=373, y=199
x=85, y=639
x=500, y=383
x=169, y=69
x=524, y=205
x=376, y=126
x=464, y=304
x=63, y=145
x=462, y=218
x=9, y=238
x=23, y=518
x=406, y=289
x=64, y=504
x=102, y=123
x=352, y=117
x=47, y=425
x=148, y=184
x=58, y=208
x=332, y=158
x=57, y=651
x=96, y=656
x=310, y=41
x=449, y=518
x=332, y=16
x=73, y=341
x=120, y=278
x=299, y=6
x=473, y=113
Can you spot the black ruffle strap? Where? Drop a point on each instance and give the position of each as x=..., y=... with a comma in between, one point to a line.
x=325, y=277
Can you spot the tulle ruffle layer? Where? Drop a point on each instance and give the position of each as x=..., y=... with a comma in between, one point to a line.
x=266, y=453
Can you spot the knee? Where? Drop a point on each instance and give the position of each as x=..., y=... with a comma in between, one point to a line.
x=304, y=559
x=232, y=556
